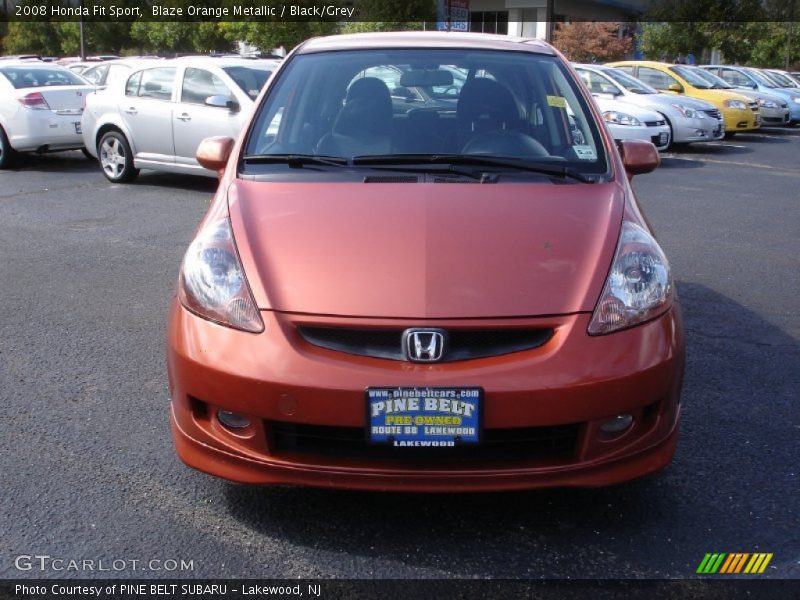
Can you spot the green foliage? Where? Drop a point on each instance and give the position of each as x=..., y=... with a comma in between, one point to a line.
x=665, y=41
x=32, y=38
x=179, y=36
x=266, y=36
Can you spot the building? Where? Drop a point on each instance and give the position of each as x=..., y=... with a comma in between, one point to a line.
x=529, y=18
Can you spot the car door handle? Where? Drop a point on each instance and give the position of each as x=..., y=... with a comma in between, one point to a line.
x=184, y=117
x=132, y=110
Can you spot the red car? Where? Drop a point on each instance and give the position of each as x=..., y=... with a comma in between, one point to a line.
x=453, y=294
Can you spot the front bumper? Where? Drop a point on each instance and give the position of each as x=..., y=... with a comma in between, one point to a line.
x=659, y=135
x=775, y=116
x=741, y=119
x=699, y=129
x=279, y=380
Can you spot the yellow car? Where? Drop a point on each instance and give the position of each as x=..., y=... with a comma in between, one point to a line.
x=740, y=113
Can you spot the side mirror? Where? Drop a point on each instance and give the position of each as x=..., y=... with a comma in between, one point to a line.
x=638, y=156
x=222, y=102
x=675, y=87
x=213, y=153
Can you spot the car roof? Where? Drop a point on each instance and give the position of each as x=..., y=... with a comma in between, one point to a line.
x=226, y=61
x=642, y=63
x=424, y=39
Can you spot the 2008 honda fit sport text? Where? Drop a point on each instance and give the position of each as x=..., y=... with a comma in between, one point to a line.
x=425, y=269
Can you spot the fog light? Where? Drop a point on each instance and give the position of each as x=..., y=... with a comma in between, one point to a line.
x=231, y=420
x=617, y=425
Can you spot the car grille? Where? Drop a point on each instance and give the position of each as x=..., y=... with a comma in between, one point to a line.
x=655, y=123
x=513, y=444
x=461, y=344
x=713, y=113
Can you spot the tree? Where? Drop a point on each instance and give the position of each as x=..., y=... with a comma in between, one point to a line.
x=268, y=35
x=32, y=37
x=582, y=41
x=179, y=36
x=665, y=41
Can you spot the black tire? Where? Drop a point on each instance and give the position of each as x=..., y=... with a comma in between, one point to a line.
x=729, y=134
x=116, y=158
x=7, y=153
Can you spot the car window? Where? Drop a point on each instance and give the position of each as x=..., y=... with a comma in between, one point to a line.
x=735, y=78
x=626, y=69
x=199, y=85
x=132, y=86
x=597, y=84
x=95, y=74
x=117, y=73
x=655, y=78
x=36, y=76
x=345, y=104
x=157, y=83
x=629, y=82
x=249, y=80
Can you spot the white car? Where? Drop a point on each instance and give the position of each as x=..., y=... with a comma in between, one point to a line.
x=40, y=108
x=629, y=122
x=156, y=116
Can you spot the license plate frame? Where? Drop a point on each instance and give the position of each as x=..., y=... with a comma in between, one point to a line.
x=414, y=425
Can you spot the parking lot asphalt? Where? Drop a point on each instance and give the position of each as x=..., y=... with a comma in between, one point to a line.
x=88, y=471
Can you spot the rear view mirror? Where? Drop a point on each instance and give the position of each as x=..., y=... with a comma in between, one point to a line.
x=427, y=78
x=675, y=87
x=610, y=90
x=638, y=156
x=213, y=153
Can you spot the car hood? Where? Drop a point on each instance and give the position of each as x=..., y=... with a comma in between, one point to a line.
x=426, y=250
x=635, y=110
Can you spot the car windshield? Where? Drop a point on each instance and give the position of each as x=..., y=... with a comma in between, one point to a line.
x=249, y=79
x=716, y=82
x=691, y=76
x=780, y=79
x=629, y=82
x=401, y=104
x=36, y=76
x=760, y=78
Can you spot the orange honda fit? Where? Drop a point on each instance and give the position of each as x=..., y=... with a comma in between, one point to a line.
x=425, y=270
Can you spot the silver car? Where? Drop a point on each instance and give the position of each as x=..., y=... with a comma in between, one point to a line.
x=772, y=109
x=156, y=117
x=40, y=108
x=689, y=119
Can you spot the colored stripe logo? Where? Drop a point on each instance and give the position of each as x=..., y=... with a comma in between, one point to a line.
x=730, y=564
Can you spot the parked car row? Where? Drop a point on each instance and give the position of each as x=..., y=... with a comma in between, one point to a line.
x=127, y=113
x=149, y=112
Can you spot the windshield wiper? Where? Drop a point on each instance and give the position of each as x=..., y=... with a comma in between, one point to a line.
x=554, y=170
x=295, y=161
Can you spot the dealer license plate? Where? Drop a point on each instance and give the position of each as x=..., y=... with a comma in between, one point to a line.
x=424, y=417
x=662, y=138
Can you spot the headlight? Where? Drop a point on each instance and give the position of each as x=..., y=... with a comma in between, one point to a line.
x=796, y=99
x=736, y=104
x=639, y=286
x=687, y=112
x=618, y=118
x=212, y=282
x=767, y=103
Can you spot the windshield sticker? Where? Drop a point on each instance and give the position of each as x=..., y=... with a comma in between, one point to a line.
x=557, y=101
x=585, y=152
